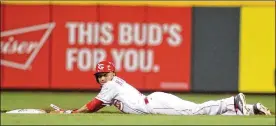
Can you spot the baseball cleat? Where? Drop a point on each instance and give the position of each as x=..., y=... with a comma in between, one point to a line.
x=240, y=104
x=260, y=109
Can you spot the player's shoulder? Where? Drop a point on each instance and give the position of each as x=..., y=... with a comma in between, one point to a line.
x=115, y=82
x=108, y=84
x=118, y=80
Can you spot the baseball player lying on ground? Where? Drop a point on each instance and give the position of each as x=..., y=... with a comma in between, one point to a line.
x=116, y=91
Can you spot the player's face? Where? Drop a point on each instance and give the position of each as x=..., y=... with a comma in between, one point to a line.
x=105, y=77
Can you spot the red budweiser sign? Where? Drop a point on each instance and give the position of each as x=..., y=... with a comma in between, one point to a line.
x=58, y=47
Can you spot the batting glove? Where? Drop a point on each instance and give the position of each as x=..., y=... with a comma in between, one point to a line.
x=68, y=111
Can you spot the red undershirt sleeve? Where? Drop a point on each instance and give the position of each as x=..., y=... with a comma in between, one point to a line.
x=94, y=105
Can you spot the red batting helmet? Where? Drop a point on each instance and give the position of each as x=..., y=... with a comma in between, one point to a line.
x=105, y=66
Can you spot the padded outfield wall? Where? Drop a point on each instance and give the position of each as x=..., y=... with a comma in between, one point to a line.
x=165, y=46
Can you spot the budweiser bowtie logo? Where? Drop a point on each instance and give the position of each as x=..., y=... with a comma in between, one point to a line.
x=19, y=47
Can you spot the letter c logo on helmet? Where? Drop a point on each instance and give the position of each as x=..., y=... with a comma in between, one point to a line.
x=100, y=66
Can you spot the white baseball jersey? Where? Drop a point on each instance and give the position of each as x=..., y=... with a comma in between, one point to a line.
x=129, y=100
x=123, y=96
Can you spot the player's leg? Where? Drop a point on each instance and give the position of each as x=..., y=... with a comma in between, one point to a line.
x=231, y=113
x=219, y=107
x=165, y=103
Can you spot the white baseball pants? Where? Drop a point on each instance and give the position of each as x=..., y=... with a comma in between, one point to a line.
x=165, y=103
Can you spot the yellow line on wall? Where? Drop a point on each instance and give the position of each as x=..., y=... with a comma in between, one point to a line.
x=149, y=3
x=257, y=50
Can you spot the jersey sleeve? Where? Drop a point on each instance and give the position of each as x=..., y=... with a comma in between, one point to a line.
x=107, y=93
x=94, y=105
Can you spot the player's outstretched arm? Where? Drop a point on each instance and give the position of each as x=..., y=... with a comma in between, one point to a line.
x=91, y=106
x=83, y=109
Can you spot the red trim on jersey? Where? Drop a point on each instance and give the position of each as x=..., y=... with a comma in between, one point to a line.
x=94, y=105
